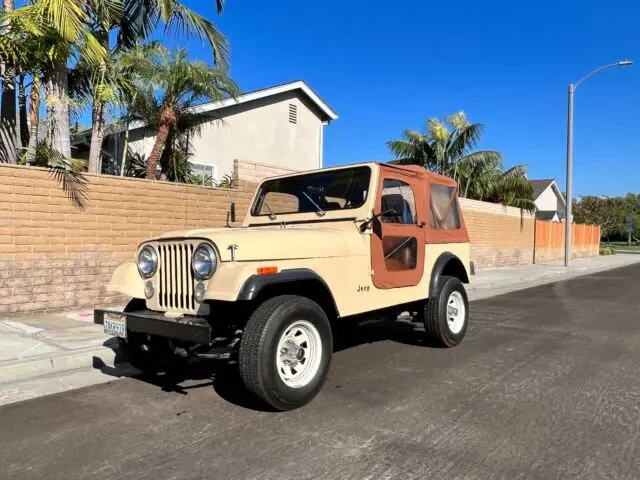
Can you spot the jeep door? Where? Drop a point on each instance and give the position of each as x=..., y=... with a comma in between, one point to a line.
x=398, y=241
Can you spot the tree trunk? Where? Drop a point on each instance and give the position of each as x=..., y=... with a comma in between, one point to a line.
x=125, y=148
x=99, y=114
x=99, y=118
x=22, y=109
x=8, y=137
x=156, y=152
x=57, y=92
x=34, y=118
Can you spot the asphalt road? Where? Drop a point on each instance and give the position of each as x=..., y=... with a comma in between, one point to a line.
x=546, y=385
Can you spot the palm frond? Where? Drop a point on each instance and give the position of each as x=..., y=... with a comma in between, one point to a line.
x=140, y=19
x=480, y=175
x=464, y=140
x=69, y=173
x=183, y=21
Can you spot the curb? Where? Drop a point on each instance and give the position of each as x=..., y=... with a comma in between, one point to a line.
x=494, y=290
x=95, y=357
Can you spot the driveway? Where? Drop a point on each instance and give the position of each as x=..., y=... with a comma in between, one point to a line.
x=546, y=385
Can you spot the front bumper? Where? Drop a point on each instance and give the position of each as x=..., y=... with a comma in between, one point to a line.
x=188, y=328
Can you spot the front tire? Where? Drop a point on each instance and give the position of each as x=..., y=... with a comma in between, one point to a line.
x=285, y=351
x=446, y=315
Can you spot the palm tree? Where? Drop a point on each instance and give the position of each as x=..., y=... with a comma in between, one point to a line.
x=167, y=84
x=135, y=20
x=447, y=148
x=61, y=27
x=8, y=137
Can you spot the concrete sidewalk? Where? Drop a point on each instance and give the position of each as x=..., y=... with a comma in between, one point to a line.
x=49, y=353
x=497, y=281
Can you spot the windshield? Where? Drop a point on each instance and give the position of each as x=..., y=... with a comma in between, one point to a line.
x=327, y=191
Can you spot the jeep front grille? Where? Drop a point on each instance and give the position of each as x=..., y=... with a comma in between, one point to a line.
x=175, y=278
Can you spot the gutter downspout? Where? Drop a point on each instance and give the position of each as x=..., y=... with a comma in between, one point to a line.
x=321, y=146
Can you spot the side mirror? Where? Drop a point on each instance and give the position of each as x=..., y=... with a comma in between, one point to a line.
x=231, y=214
x=367, y=223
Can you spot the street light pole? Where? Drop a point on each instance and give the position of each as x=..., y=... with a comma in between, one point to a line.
x=568, y=194
x=568, y=199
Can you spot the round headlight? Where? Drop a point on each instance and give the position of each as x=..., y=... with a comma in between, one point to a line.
x=204, y=261
x=147, y=262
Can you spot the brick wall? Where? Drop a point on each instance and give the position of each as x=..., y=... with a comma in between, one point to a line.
x=54, y=255
x=254, y=172
x=500, y=236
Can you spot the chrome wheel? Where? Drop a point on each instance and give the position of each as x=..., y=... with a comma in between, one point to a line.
x=299, y=354
x=455, y=312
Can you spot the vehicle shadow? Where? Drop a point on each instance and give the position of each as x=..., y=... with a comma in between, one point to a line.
x=224, y=377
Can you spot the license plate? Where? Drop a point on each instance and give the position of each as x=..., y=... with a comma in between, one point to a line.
x=115, y=324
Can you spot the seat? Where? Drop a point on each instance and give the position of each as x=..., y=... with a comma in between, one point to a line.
x=402, y=211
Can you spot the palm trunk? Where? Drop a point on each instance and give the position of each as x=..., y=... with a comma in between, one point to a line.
x=125, y=148
x=8, y=137
x=57, y=90
x=22, y=109
x=156, y=152
x=99, y=119
x=34, y=118
x=99, y=115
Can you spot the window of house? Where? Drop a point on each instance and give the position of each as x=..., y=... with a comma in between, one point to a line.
x=398, y=202
x=204, y=174
x=444, y=208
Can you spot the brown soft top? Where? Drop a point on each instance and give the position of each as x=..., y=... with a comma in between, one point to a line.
x=423, y=172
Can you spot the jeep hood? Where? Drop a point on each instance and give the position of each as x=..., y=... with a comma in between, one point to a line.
x=270, y=243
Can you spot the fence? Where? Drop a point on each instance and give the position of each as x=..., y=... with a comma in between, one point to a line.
x=500, y=236
x=550, y=238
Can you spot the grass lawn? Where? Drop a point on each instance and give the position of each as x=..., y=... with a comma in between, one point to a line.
x=621, y=246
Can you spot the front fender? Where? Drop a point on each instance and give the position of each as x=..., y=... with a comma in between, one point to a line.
x=126, y=279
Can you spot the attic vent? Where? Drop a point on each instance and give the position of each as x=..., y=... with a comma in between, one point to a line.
x=293, y=113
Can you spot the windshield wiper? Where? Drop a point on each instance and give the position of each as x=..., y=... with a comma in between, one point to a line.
x=272, y=216
x=320, y=211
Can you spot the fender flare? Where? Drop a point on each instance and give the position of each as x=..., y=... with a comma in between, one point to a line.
x=439, y=266
x=255, y=283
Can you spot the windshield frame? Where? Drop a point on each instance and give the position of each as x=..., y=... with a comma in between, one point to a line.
x=255, y=204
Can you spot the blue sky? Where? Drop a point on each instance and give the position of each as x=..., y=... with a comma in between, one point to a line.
x=387, y=66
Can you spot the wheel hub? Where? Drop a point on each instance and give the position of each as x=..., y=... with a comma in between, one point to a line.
x=291, y=353
x=455, y=312
x=299, y=354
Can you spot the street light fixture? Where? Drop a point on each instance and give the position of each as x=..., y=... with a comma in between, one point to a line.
x=567, y=220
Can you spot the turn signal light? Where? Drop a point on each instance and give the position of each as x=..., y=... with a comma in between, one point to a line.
x=267, y=270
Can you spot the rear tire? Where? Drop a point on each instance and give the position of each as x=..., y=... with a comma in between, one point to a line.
x=446, y=315
x=285, y=351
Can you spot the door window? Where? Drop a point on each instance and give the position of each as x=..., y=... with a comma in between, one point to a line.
x=398, y=207
x=400, y=253
x=398, y=202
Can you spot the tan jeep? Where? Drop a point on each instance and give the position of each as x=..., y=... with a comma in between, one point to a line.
x=314, y=248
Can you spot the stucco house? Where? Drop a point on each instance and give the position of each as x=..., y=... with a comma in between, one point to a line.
x=549, y=200
x=281, y=126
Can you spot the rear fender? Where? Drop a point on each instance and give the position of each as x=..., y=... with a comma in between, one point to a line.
x=447, y=265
